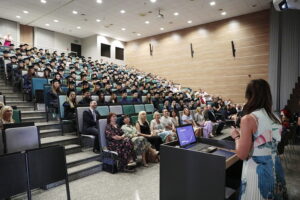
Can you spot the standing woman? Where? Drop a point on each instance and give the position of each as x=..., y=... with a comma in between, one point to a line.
x=256, y=144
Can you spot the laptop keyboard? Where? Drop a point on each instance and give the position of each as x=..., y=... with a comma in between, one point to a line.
x=199, y=147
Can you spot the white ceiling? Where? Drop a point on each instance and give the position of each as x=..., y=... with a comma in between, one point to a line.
x=112, y=21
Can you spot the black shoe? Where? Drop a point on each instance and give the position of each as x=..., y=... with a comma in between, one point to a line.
x=96, y=151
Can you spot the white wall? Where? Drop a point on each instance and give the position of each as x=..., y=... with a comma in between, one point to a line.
x=92, y=48
x=11, y=28
x=53, y=41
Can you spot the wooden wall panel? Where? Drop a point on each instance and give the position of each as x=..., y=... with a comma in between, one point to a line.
x=213, y=67
x=26, y=34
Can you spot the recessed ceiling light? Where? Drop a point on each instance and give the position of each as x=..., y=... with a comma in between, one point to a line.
x=99, y=1
x=153, y=1
x=55, y=20
x=147, y=22
x=47, y=24
x=98, y=20
x=18, y=16
x=43, y=1
x=176, y=13
x=190, y=21
x=75, y=12
x=162, y=28
x=122, y=11
x=223, y=13
x=123, y=29
x=78, y=27
x=25, y=11
x=138, y=34
x=212, y=3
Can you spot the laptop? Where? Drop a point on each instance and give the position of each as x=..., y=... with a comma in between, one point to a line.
x=187, y=139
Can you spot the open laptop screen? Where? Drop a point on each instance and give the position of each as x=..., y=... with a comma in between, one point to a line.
x=185, y=135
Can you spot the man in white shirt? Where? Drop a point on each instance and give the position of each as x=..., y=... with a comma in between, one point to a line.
x=166, y=121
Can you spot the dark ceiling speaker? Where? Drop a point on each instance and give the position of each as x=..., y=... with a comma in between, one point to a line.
x=233, y=48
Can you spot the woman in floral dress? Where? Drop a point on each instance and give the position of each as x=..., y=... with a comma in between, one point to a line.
x=117, y=142
x=256, y=144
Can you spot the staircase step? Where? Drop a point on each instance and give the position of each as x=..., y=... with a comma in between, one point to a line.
x=72, y=148
x=33, y=119
x=84, y=170
x=6, y=87
x=12, y=98
x=50, y=133
x=19, y=103
x=48, y=125
x=33, y=114
x=14, y=95
x=81, y=158
x=59, y=140
x=26, y=108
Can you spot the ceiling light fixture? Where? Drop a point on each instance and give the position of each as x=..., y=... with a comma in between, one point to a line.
x=18, y=16
x=75, y=12
x=43, y=1
x=99, y=1
x=162, y=28
x=98, y=20
x=147, y=22
x=123, y=29
x=190, y=21
x=153, y=1
x=122, y=11
x=223, y=13
x=47, y=24
x=138, y=34
x=55, y=20
x=25, y=12
x=176, y=13
x=78, y=27
x=212, y=3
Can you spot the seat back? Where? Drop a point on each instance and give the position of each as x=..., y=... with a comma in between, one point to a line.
x=149, y=108
x=38, y=84
x=103, y=110
x=128, y=109
x=101, y=127
x=13, y=175
x=21, y=139
x=144, y=98
x=79, y=116
x=17, y=116
x=149, y=117
x=95, y=98
x=138, y=108
x=134, y=120
x=61, y=100
x=116, y=109
x=106, y=98
x=78, y=98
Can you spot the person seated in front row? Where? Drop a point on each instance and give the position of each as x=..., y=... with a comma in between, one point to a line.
x=70, y=106
x=113, y=98
x=86, y=98
x=143, y=129
x=52, y=96
x=157, y=128
x=188, y=119
x=174, y=118
x=6, y=114
x=135, y=99
x=202, y=121
x=140, y=143
x=212, y=117
x=124, y=99
x=89, y=127
x=117, y=142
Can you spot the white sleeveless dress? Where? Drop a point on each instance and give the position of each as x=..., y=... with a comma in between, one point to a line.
x=262, y=174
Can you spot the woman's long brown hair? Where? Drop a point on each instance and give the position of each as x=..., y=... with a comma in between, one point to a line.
x=258, y=95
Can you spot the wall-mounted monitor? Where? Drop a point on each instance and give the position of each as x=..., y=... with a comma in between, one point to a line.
x=105, y=50
x=119, y=53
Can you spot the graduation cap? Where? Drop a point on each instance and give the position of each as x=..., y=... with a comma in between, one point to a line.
x=85, y=83
x=13, y=57
x=43, y=58
x=55, y=81
x=73, y=73
x=82, y=74
x=83, y=91
x=5, y=52
x=17, y=49
x=72, y=82
x=60, y=69
x=47, y=69
x=21, y=61
x=27, y=58
x=11, y=45
x=98, y=83
x=30, y=66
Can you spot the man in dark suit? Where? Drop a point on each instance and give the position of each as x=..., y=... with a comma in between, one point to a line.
x=90, y=118
x=212, y=117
